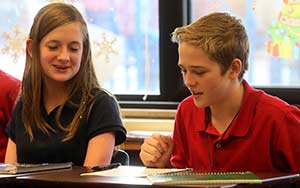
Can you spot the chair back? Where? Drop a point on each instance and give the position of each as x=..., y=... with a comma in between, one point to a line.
x=120, y=156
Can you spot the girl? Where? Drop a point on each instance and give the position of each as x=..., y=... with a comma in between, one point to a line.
x=63, y=115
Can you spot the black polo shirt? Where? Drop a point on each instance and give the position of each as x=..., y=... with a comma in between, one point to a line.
x=104, y=117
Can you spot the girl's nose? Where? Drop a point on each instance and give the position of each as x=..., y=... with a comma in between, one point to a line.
x=63, y=55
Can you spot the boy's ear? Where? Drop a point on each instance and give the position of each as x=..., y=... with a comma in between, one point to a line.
x=29, y=47
x=235, y=68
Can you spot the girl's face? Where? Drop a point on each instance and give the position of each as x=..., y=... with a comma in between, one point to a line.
x=61, y=52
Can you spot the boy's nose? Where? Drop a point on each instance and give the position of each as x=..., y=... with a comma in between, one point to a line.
x=189, y=80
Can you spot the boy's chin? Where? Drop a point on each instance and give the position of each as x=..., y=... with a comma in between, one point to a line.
x=199, y=104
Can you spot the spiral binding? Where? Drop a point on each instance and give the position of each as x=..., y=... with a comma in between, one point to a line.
x=191, y=178
x=192, y=173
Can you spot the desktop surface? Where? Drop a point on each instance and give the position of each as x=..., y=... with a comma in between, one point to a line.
x=71, y=178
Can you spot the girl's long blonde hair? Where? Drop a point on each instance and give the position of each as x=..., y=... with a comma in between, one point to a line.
x=82, y=87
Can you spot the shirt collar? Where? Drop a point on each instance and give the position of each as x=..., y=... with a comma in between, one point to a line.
x=201, y=125
x=243, y=121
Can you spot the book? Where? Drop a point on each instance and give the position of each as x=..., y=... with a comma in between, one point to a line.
x=20, y=168
x=197, y=178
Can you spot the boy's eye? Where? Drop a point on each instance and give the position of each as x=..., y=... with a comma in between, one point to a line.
x=182, y=71
x=199, y=72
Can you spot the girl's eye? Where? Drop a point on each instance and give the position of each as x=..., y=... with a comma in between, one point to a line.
x=51, y=47
x=74, y=49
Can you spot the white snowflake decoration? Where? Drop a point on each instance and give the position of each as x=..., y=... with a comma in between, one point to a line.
x=14, y=43
x=105, y=48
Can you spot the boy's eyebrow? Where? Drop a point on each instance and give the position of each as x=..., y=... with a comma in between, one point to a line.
x=193, y=66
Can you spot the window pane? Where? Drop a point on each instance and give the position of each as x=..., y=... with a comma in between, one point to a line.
x=274, y=31
x=124, y=37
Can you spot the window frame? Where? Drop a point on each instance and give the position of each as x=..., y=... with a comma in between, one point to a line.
x=172, y=14
x=172, y=89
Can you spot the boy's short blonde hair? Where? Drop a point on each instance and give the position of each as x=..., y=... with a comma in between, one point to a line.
x=221, y=36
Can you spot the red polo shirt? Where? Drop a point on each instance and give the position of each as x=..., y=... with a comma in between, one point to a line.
x=264, y=137
x=9, y=88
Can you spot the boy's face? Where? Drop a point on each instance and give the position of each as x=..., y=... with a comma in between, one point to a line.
x=203, y=76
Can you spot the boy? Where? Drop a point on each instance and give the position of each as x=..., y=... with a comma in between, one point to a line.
x=225, y=125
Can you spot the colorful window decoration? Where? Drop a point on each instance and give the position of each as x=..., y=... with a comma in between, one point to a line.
x=285, y=32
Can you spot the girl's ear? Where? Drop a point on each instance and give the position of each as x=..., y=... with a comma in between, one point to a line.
x=235, y=68
x=29, y=47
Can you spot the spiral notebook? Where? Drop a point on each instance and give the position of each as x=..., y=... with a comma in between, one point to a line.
x=196, y=178
x=20, y=168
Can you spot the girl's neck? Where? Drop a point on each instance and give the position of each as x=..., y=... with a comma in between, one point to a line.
x=53, y=95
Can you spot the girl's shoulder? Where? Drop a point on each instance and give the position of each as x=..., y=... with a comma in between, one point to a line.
x=104, y=98
x=103, y=95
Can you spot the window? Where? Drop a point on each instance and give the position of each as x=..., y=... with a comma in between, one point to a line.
x=172, y=14
x=130, y=40
x=124, y=37
x=274, y=41
x=134, y=57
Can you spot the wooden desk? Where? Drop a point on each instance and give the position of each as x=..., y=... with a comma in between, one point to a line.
x=71, y=178
x=136, y=138
x=132, y=144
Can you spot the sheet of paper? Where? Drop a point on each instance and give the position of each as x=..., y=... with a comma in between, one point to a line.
x=132, y=171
